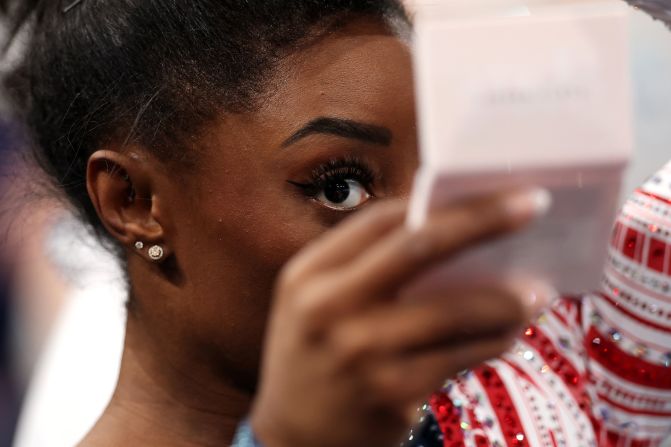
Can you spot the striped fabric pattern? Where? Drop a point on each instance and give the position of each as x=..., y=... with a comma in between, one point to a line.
x=595, y=370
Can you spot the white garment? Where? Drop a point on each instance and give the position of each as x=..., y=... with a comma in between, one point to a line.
x=78, y=370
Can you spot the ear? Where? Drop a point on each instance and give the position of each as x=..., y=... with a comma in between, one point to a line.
x=120, y=188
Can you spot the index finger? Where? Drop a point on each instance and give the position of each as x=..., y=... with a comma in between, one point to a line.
x=348, y=240
x=396, y=259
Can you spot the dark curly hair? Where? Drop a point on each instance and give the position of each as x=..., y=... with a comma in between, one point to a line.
x=659, y=9
x=98, y=72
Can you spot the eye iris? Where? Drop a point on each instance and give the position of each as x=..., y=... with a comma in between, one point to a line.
x=337, y=191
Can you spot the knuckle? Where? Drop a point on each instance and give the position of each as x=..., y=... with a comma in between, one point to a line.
x=390, y=384
x=502, y=295
x=417, y=246
x=289, y=277
x=382, y=216
x=446, y=316
x=506, y=308
x=511, y=305
x=502, y=343
x=508, y=340
x=451, y=230
x=387, y=385
x=485, y=217
x=456, y=322
x=308, y=310
x=351, y=347
x=484, y=220
x=387, y=210
x=454, y=229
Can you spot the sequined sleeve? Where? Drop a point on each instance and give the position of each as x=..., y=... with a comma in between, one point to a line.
x=595, y=369
x=628, y=325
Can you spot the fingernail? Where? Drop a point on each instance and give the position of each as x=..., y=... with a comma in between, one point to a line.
x=535, y=295
x=542, y=200
x=536, y=202
x=539, y=296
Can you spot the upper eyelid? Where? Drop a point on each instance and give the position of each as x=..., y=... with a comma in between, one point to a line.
x=346, y=163
x=319, y=182
x=314, y=185
x=346, y=170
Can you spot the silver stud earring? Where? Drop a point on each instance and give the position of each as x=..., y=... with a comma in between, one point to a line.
x=139, y=245
x=156, y=253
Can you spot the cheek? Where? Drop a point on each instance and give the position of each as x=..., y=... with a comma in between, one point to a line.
x=269, y=237
x=256, y=230
x=231, y=249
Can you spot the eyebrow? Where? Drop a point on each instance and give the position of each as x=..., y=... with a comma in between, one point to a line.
x=368, y=133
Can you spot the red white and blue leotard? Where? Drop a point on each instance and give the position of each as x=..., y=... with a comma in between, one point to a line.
x=594, y=370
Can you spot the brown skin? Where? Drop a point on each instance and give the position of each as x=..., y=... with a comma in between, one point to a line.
x=231, y=223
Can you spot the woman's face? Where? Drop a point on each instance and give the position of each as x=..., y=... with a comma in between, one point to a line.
x=336, y=134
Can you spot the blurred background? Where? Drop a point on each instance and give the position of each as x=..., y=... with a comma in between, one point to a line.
x=651, y=71
x=42, y=250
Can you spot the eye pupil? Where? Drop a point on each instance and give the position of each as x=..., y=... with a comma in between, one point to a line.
x=337, y=192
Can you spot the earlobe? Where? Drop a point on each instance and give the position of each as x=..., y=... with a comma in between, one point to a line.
x=156, y=252
x=120, y=188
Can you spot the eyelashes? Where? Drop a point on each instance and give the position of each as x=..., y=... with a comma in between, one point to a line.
x=338, y=170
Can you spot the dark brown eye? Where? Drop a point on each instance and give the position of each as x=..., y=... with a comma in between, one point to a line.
x=343, y=194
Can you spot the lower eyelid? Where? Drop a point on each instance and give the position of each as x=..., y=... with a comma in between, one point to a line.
x=340, y=210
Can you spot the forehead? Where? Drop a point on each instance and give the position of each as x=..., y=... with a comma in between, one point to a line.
x=362, y=72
